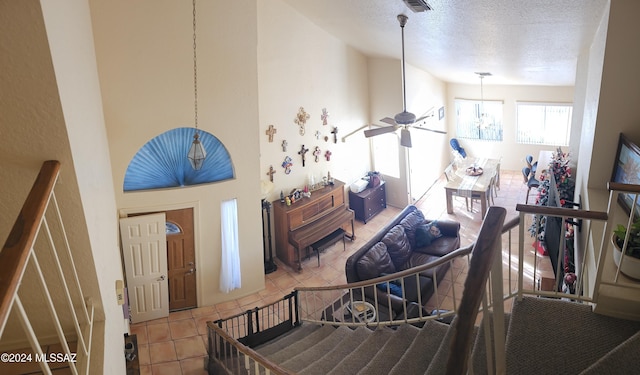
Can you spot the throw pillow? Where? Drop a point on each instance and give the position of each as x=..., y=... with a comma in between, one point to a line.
x=426, y=233
x=398, y=245
x=375, y=262
x=410, y=223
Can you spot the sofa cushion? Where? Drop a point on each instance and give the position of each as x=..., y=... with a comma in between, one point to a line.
x=425, y=234
x=440, y=247
x=398, y=245
x=419, y=259
x=375, y=262
x=410, y=222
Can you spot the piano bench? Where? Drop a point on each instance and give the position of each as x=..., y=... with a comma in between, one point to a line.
x=329, y=240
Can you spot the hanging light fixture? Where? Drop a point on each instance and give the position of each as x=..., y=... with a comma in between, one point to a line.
x=197, y=153
x=483, y=119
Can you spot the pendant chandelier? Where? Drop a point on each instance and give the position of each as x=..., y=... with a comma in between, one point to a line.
x=482, y=120
x=196, y=153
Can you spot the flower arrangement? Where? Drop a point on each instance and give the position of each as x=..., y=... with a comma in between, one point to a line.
x=559, y=166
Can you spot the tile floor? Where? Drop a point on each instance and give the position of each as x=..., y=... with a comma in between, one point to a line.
x=177, y=344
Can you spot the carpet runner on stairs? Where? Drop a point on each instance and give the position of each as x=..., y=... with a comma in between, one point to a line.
x=393, y=350
x=549, y=336
x=418, y=356
x=544, y=336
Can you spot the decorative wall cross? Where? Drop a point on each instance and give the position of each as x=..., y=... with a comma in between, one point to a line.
x=324, y=116
x=318, y=134
x=271, y=172
x=316, y=153
x=270, y=132
x=335, y=134
x=301, y=119
x=302, y=153
x=284, y=145
x=327, y=155
x=287, y=164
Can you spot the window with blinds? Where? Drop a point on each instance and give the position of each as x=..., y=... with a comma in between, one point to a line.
x=543, y=123
x=476, y=119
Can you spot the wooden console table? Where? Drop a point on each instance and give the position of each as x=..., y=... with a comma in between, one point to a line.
x=309, y=220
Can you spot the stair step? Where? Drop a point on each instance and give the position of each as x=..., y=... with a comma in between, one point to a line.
x=362, y=354
x=419, y=354
x=328, y=361
x=393, y=350
x=301, y=345
x=624, y=359
x=479, y=352
x=287, y=339
x=438, y=364
x=302, y=360
x=533, y=340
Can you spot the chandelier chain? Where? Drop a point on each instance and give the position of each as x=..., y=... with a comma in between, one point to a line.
x=195, y=69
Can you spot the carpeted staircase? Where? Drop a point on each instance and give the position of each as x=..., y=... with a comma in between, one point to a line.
x=544, y=336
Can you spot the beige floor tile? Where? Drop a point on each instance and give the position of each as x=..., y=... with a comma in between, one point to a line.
x=169, y=368
x=143, y=354
x=158, y=332
x=140, y=330
x=180, y=315
x=183, y=328
x=189, y=347
x=193, y=366
x=162, y=352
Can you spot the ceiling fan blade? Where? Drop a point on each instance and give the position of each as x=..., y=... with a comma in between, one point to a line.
x=423, y=117
x=405, y=137
x=389, y=120
x=377, y=131
x=430, y=130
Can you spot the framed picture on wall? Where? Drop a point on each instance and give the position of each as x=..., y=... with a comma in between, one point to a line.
x=626, y=170
x=441, y=113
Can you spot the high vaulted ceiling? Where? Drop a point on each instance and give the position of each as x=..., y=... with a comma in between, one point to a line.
x=533, y=42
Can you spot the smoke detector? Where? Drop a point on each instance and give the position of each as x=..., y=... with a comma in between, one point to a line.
x=418, y=5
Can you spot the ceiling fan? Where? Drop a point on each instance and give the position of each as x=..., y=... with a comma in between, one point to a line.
x=403, y=120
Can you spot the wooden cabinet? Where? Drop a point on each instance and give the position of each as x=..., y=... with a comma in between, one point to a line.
x=369, y=202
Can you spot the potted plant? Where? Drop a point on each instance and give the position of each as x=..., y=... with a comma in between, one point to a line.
x=631, y=263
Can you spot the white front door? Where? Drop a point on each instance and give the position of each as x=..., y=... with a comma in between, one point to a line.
x=144, y=248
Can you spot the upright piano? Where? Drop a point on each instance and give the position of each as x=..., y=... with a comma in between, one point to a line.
x=309, y=220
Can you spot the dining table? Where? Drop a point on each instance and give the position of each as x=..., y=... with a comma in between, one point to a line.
x=472, y=179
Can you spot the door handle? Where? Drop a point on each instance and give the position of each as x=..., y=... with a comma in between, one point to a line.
x=191, y=271
x=162, y=278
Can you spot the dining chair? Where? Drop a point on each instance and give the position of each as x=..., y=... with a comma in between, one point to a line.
x=530, y=180
x=450, y=175
x=488, y=194
x=496, y=184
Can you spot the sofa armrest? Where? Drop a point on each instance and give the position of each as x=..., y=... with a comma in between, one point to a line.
x=448, y=228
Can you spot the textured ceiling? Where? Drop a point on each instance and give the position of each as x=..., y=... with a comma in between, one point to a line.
x=533, y=42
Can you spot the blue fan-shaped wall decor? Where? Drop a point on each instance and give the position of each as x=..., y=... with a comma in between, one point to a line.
x=162, y=162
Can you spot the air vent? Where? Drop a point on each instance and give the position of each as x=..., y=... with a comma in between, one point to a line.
x=418, y=5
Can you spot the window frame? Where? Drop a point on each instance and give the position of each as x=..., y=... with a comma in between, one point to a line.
x=545, y=141
x=476, y=106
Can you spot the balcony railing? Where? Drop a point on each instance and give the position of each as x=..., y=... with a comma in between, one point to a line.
x=40, y=288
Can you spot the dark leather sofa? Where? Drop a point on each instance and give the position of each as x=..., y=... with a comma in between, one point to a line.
x=398, y=246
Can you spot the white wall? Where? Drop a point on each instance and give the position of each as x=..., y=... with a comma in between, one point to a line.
x=427, y=157
x=512, y=153
x=71, y=41
x=301, y=65
x=145, y=61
